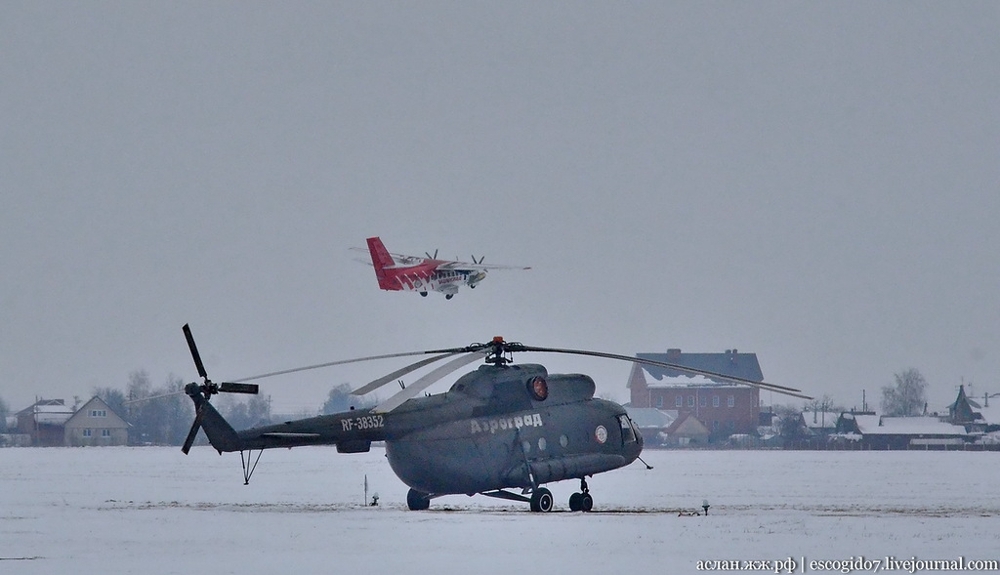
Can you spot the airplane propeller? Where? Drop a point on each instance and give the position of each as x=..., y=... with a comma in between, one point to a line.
x=208, y=388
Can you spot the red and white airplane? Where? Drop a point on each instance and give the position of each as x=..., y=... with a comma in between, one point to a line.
x=397, y=272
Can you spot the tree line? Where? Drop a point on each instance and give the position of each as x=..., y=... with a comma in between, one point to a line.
x=162, y=415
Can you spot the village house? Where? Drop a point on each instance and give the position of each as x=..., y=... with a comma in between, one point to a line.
x=652, y=424
x=44, y=421
x=976, y=417
x=722, y=408
x=883, y=432
x=52, y=423
x=95, y=424
x=819, y=423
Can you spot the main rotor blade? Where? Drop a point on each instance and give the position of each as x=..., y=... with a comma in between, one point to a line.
x=194, y=429
x=424, y=382
x=194, y=352
x=372, y=386
x=760, y=384
x=355, y=360
x=152, y=397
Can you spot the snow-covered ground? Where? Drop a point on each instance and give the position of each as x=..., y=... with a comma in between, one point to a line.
x=154, y=510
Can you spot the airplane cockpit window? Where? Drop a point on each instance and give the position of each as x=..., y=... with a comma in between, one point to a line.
x=628, y=434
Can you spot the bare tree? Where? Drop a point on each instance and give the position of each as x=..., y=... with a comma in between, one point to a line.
x=790, y=424
x=340, y=399
x=253, y=412
x=908, y=396
x=4, y=410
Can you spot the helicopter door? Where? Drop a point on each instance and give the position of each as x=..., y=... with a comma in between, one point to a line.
x=628, y=433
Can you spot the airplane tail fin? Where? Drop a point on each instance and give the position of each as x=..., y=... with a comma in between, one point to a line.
x=381, y=260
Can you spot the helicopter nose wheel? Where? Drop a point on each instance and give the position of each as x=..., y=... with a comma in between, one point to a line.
x=449, y=296
x=541, y=500
x=581, y=501
x=417, y=501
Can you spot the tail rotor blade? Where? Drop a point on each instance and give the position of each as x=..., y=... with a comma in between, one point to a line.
x=194, y=352
x=229, y=387
x=194, y=429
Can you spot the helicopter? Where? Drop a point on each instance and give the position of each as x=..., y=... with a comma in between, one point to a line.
x=499, y=428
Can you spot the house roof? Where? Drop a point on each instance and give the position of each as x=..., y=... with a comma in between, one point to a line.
x=820, y=419
x=651, y=418
x=731, y=362
x=864, y=422
x=990, y=415
x=48, y=411
x=113, y=420
x=687, y=424
x=921, y=425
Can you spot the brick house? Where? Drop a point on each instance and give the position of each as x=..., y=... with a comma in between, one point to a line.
x=43, y=421
x=724, y=408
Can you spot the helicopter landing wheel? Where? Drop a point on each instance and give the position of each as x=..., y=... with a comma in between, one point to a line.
x=417, y=501
x=541, y=500
x=581, y=502
x=423, y=294
x=449, y=296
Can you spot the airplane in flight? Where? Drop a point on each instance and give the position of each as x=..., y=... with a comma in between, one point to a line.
x=397, y=272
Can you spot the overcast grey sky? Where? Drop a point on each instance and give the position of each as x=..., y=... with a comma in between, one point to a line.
x=813, y=182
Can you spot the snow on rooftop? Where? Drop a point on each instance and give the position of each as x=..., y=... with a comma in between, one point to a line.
x=686, y=381
x=990, y=414
x=924, y=425
x=820, y=419
x=866, y=423
x=53, y=409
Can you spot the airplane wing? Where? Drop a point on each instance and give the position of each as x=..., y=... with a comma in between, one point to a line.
x=466, y=266
x=403, y=260
x=400, y=260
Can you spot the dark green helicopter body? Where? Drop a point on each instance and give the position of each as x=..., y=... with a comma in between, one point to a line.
x=499, y=427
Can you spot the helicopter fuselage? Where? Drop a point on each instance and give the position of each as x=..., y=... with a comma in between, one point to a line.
x=497, y=427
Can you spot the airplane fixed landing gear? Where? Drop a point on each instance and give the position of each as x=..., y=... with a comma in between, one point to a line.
x=581, y=501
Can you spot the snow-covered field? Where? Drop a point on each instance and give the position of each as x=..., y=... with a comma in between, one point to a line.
x=154, y=510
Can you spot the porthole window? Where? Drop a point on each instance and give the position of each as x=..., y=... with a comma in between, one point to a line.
x=541, y=444
x=527, y=446
x=563, y=440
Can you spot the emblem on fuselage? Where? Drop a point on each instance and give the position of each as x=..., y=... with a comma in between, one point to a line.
x=601, y=434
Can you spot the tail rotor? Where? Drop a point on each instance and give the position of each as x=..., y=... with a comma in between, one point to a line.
x=202, y=393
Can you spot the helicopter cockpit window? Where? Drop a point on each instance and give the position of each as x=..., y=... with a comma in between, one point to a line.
x=628, y=434
x=539, y=388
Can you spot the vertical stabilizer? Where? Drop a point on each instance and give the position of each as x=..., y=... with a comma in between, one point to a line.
x=381, y=260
